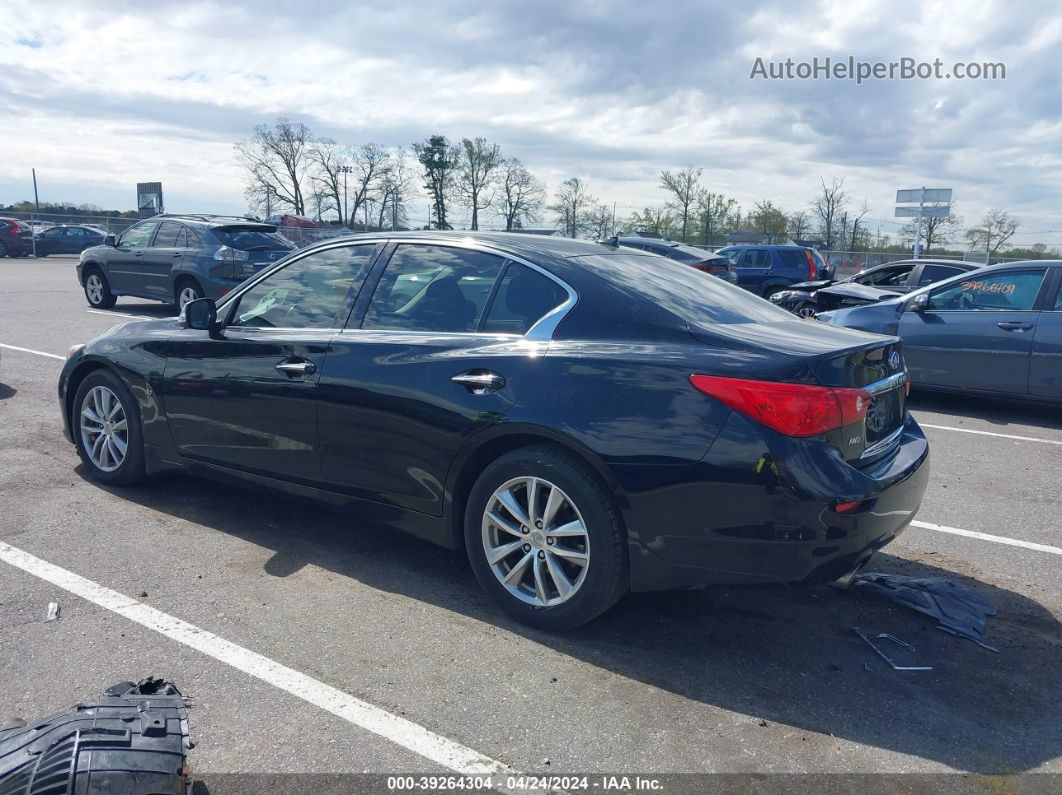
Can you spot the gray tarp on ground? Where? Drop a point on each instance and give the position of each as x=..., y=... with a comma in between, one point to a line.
x=959, y=610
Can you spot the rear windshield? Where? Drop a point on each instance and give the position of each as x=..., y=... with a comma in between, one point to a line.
x=253, y=240
x=689, y=254
x=696, y=297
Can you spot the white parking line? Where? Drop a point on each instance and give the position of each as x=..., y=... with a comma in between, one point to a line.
x=991, y=433
x=1012, y=542
x=409, y=735
x=30, y=350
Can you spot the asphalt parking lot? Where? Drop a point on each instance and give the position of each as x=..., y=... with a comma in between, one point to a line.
x=715, y=681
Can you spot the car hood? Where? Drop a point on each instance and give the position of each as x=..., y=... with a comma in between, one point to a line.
x=860, y=291
x=815, y=285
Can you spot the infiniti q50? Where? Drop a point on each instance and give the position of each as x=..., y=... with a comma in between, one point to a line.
x=583, y=419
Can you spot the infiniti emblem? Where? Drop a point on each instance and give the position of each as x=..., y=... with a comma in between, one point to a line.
x=894, y=360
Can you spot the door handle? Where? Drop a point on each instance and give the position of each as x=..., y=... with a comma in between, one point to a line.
x=1015, y=326
x=178, y=253
x=301, y=367
x=480, y=383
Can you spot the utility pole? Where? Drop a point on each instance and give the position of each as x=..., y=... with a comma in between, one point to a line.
x=346, y=217
x=36, y=201
x=918, y=223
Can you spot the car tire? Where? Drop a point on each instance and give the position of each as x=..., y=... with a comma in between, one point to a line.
x=105, y=424
x=804, y=309
x=186, y=290
x=587, y=524
x=98, y=290
x=3, y=249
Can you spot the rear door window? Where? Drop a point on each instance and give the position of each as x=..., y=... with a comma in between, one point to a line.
x=167, y=235
x=756, y=258
x=433, y=288
x=523, y=297
x=997, y=292
x=936, y=273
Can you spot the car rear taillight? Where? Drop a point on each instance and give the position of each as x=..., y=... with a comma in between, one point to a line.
x=811, y=265
x=710, y=267
x=793, y=409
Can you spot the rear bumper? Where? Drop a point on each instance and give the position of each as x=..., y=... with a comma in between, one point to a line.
x=735, y=521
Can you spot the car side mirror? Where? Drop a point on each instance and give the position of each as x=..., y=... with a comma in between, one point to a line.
x=109, y=240
x=920, y=303
x=201, y=315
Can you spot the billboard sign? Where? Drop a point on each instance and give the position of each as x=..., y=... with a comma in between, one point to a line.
x=149, y=199
x=914, y=195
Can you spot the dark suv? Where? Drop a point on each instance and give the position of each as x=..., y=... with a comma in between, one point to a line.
x=766, y=269
x=16, y=238
x=179, y=258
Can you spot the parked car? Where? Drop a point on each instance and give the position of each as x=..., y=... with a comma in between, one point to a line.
x=16, y=238
x=994, y=330
x=530, y=401
x=67, y=239
x=178, y=258
x=697, y=258
x=865, y=287
x=764, y=269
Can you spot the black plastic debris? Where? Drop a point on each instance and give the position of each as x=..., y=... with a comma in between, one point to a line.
x=958, y=610
x=132, y=740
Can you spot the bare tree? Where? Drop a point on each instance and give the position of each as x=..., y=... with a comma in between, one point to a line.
x=600, y=222
x=327, y=176
x=995, y=229
x=713, y=213
x=828, y=207
x=571, y=202
x=684, y=187
x=439, y=160
x=477, y=175
x=799, y=225
x=276, y=159
x=395, y=185
x=522, y=195
x=367, y=164
x=935, y=229
x=854, y=239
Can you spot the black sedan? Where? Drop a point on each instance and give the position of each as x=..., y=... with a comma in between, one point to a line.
x=866, y=287
x=993, y=331
x=581, y=418
x=67, y=239
x=697, y=258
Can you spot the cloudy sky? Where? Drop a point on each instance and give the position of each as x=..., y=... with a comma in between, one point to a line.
x=100, y=95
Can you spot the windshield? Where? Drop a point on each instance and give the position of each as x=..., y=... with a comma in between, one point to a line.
x=696, y=297
x=253, y=240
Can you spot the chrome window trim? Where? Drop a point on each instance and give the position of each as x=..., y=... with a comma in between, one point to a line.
x=542, y=330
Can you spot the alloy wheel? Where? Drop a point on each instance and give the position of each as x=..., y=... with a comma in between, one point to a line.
x=806, y=310
x=535, y=541
x=104, y=428
x=186, y=295
x=94, y=288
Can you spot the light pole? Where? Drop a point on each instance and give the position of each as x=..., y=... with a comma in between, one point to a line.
x=344, y=170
